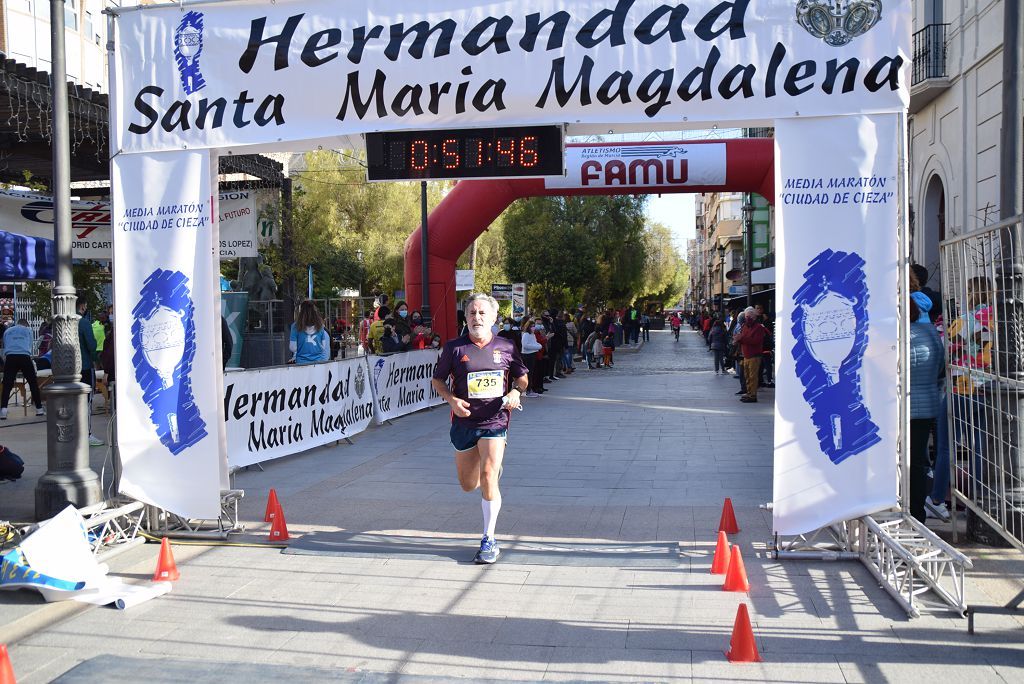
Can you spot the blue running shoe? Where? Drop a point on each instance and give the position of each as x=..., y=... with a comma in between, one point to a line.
x=488, y=552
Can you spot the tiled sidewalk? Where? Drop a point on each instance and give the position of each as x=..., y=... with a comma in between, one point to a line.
x=644, y=451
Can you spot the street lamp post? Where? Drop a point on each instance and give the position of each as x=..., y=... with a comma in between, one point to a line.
x=721, y=266
x=359, y=258
x=68, y=477
x=748, y=244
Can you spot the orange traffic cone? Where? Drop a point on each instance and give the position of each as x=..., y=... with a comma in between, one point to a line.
x=166, y=570
x=728, y=522
x=279, y=526
x=743, y=645
x=720, y=563
x=6, y=669
x=736, y=577
x=272, y=506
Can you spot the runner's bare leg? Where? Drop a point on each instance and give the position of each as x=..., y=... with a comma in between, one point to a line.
x=467, y=465
x=492, y=451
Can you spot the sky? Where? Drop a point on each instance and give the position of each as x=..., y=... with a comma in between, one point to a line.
x=675, y=211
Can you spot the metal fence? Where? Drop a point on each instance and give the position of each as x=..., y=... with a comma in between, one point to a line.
x=983, y=312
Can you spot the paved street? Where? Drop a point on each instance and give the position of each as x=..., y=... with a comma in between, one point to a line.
x=644, y=452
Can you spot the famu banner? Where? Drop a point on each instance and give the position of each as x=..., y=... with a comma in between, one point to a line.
x=168, y=344
x=401, y=383
x=836, y=405
x=274, y=412
x=31, y=214
x=229, y=74
x=641, y=164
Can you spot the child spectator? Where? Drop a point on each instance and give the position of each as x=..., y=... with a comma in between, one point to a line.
x=609, y=348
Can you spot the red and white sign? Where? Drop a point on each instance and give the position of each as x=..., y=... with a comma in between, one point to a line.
x=645, y=165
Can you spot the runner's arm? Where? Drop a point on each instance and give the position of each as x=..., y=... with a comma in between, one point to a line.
x=459, y=406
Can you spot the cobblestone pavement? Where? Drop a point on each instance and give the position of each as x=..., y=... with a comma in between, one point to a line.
x=639, y=453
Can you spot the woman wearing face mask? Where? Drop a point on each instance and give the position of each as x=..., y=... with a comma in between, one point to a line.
x=529, y=347
x=401, y=322
x=511, y=332
x=415, y=318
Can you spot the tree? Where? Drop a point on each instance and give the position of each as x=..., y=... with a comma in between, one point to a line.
x=90, y=278
x=336, y=213
x=587, y=250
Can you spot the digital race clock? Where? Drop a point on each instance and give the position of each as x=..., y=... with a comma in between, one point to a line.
x=522, y=151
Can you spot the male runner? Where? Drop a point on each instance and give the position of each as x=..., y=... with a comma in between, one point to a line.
x=488, y=380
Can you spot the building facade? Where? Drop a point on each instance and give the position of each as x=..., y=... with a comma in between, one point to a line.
x=25, y=38
x=954, y=125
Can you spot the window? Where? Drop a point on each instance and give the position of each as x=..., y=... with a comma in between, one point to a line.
x=71, y=15
x=87, y=24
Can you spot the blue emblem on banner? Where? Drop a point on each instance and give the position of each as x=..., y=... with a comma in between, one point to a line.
x=830, y=326
x=164, y=340
x=188, y=45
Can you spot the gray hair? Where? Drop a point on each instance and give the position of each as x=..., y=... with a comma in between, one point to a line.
x=480, y=296
x=750, y=312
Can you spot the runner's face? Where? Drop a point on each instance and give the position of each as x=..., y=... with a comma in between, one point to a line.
x=480, y=317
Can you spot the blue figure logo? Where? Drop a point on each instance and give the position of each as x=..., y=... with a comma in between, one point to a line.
x=188, y=45
x=830, y=326
x=164, y=340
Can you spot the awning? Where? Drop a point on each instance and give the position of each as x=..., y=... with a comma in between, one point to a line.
x=757, y=296
x=26, y=258
x=763, y=276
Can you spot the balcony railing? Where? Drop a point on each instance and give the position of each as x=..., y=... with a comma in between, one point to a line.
x=929, y=53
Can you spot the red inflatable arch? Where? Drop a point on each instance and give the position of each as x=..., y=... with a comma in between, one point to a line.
x=472, y=205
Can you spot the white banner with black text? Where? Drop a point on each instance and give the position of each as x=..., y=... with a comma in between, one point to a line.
x=836, y=403
x=274, y=412
x=168, y=347
x=401, y=383
x=222, y=75
x=31, y=214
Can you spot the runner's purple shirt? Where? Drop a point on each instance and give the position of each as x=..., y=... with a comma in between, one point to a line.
x=464, y=360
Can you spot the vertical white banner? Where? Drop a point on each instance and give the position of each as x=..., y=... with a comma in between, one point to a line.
x=836, y=414
x=165, y=248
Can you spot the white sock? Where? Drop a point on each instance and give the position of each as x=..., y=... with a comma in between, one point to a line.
x=490, y=509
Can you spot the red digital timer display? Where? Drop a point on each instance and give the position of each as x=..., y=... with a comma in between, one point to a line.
x=465, y=153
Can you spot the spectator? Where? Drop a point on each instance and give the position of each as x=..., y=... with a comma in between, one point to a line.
x=751, y=343
x=382, y=311
x=400, y=322
x=309, y=341
x=571, y=336
x=364, y=331
x=594, y=349
x=921, y=273
x=608, y=349
x=970, y=338
x=718, y=343
x=45, y=338
x=530, y=346
x=390, y=342
x=645, y=326
x=87, y=347
x=557, y=339
x=99, y=330
x=544, y=362
x=227, y=345
x=927, y=369
x=509, y=330
x=18, y=359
